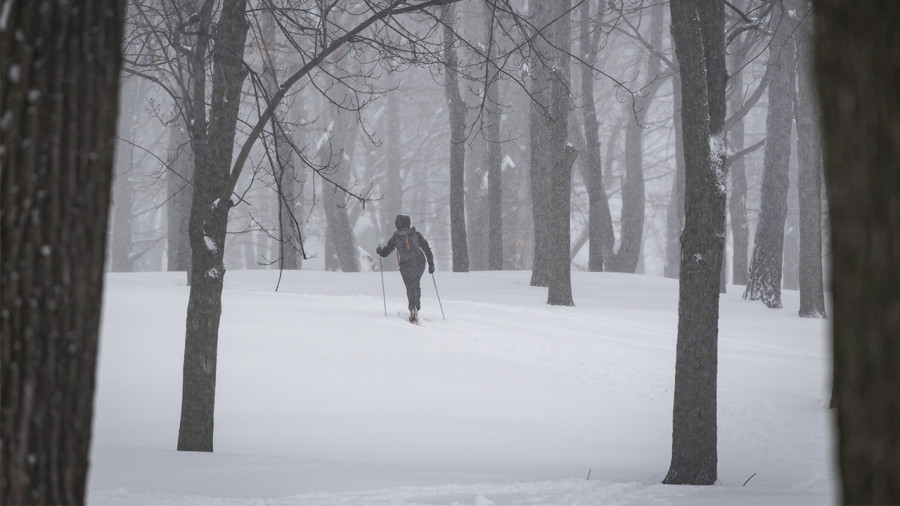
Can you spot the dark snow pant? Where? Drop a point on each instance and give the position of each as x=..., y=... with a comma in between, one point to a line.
x=412, y=274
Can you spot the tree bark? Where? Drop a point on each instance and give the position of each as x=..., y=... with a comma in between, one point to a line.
x=600, y=236
x=457, y=111
x=564, y=154
x=764, y=279
x=698, y=31
x=737, y=203
x=632, y=229
x=790, y=271
x=212, y=146
x=540, y=151
x=58, y=133
x=809, y=158
x=492, y=138
x=857, y=48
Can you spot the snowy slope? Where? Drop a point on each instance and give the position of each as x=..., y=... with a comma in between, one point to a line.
x=322, y=399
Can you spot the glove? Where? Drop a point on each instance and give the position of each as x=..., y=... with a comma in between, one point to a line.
x=431, y=269
x=378, y=250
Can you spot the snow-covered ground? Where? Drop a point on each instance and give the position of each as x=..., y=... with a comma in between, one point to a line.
x=322, y=399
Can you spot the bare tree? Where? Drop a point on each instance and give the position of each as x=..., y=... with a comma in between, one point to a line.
x=59, y=119
x=857, y=49
x=457, y=111
x=563, y=156
x=601, y=237
x=764, y=281
x=538, y=144
x=628, y=255
x=698, y=28
x=283, y=167
x=491, y=128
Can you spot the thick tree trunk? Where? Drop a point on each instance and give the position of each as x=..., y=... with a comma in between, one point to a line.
x=857, y=57
x=809, y=157
x=540, y=152
x=698, y=31
x=564, y=154
x=764, y=280
x=212, y=146
x=457, y=110
x=58, y=132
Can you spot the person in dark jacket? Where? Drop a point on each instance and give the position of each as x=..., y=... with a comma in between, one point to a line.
x=410, y=245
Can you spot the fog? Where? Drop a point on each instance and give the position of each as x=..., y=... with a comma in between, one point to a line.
x=377, y=124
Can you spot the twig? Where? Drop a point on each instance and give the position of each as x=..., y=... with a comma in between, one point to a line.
x=748, y=480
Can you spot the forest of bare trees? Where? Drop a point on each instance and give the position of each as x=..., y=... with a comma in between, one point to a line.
x=677, y=139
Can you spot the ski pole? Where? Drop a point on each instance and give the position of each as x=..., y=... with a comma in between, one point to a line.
x=383, y=296
x=438, y=296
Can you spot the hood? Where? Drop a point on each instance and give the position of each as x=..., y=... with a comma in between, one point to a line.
x=402, y=222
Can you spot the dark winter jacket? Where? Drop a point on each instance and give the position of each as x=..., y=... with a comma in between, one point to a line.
x=408, y=238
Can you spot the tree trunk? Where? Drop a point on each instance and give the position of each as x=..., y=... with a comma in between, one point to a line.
x=283, y=170
x=809, y=158
x=59, y=120
x=675, y=214
x=341, y=139
x=179, y=176
x=628, y=255
x=790, y=275
x=564, y=154
x=121, y=213
x=737, y=203
x=457, y=110
x=857, y=56
x=212, y=148
x=600, y=230
x=632, y=228
x=492, y=138
x=540, y=152
x=698, y=31
x=393, y=182
x=764, y=281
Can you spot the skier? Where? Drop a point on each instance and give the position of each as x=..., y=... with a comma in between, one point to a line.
x=409, y=244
